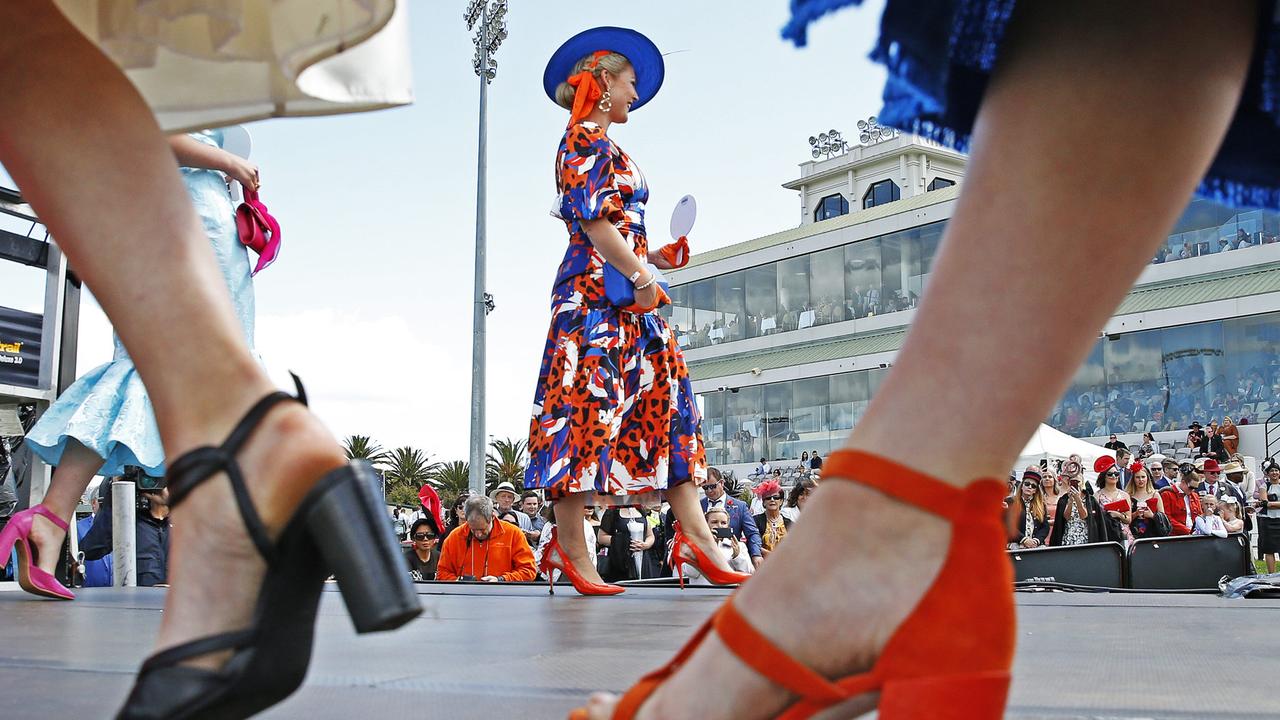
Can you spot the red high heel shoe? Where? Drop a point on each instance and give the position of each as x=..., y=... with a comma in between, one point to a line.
x=30, y=577
x=581, y=584
x=702, y=562
x=950, y=658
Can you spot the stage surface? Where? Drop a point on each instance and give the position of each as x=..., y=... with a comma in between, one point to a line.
x=515, y=652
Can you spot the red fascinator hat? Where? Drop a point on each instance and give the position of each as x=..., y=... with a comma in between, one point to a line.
x=431, y=501
x=1103, y=464
x=768, y=487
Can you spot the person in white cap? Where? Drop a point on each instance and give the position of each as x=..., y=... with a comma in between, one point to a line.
x=504, y=499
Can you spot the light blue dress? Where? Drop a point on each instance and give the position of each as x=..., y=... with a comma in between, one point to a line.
x=107, y=409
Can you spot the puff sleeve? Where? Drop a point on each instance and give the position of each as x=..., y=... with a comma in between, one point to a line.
x=586, y=176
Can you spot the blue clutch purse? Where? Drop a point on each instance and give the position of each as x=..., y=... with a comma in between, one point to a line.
x=619, y=291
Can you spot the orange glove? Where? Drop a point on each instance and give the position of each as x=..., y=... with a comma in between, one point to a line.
x=676, y=253
x=662, y=299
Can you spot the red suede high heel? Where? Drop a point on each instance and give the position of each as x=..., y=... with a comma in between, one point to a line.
x=948, y=660
x=581, y=584
x=702, y=562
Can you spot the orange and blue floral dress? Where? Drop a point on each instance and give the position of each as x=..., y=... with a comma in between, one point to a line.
x=614, y=410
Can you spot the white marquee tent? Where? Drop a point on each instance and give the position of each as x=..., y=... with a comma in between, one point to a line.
x=1050, y=444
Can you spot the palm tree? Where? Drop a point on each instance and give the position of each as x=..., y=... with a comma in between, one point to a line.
x=505, y=463
x=406, y=469
x=363, y=447
x=451, y=478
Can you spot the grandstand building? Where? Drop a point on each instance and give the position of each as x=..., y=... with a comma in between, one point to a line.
x=788, y=335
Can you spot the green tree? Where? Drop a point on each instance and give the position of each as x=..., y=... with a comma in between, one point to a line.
x=505, y=462
x=363, y=447
x=451, y=478
x=406, y=469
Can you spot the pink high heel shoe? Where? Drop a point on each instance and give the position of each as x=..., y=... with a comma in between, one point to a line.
x=30, y=577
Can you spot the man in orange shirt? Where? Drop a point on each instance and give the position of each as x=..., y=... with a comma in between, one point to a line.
x=485, y=548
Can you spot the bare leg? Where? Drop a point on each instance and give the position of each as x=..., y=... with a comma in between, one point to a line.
x=569, y=532
x=693, y=523
x=78, y=466
x=89, y=156
x=1044, y=189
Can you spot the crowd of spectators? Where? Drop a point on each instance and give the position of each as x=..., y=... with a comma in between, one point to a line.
x=1126, y=498
x=483, y=541
x=1053, y=504
x=1250, y=396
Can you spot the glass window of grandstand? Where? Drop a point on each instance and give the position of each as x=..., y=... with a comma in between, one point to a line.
x=714, y=435
x=782, y=421
x=880, y=193
x=864, y=278
x=743, y=425
x=762, y=300
x=831, y=206
x=1207, y=228
x=1163, y=380
x=938, y=183
x=1253, y=368
x=793, y=293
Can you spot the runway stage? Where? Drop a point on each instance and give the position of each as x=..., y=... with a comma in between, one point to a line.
x=514, y=652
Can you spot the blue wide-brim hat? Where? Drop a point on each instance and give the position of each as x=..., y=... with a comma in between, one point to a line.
x=643, y=55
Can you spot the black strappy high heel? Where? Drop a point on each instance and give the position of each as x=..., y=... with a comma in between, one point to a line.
x=339, y=528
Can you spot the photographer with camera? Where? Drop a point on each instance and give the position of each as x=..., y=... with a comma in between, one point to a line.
x=1079, y=518
x=152, y=528
x=735, y=551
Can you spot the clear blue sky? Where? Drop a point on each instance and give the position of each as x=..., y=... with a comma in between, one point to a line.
x=371, y=299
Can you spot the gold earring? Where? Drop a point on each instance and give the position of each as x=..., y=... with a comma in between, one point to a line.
x=606, y=102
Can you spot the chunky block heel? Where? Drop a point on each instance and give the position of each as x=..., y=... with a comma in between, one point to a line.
x=949, y=659
x=348, y=524
x=338, y=528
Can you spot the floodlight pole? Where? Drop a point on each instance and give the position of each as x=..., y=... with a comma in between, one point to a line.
x=490, y=33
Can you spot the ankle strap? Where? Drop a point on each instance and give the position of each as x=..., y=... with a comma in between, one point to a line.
x=914, y=487
x=46, y=512
x=187, y=472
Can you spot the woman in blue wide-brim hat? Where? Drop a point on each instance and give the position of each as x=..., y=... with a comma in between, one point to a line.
x=614, y=413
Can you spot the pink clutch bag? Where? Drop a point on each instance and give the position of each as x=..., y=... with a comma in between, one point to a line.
x=258, y=230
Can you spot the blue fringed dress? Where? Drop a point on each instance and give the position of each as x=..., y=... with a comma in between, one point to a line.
x=107, y=409
x=940, y=54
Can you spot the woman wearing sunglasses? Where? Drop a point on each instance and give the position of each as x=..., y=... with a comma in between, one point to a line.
x=1028, y=517
x=1117, y=512
x=424, y=555
x=772, y=523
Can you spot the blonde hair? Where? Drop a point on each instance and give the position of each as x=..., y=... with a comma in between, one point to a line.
x=1132, y=486
x=613, y=62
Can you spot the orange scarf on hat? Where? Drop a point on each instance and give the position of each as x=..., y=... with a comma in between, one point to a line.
x=587, y=89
